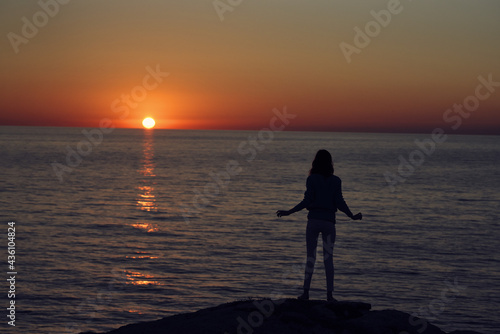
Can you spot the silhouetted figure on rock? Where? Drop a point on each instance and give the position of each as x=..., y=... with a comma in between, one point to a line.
x=323, y=196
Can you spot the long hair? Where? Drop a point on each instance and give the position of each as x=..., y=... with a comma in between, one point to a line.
x=322, y=164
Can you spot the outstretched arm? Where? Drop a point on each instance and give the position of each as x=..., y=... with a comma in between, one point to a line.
x=296, y=208
x=357, y=216
x=342, y=205
x=281, y=213
x=308, y=198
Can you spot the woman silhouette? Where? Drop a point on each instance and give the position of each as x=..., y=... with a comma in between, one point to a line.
x=322, y=198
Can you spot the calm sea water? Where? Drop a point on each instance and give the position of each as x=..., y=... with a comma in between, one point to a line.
x=140, y=228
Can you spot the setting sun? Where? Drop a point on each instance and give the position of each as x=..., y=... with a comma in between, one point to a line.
x=148, y=123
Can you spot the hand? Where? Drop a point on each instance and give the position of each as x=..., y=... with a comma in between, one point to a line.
x=357, y=216
x=281, y=213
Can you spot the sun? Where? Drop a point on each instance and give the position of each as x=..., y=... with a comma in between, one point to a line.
x=148, y=123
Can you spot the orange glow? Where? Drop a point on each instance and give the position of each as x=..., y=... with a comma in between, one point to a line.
x=404, y=80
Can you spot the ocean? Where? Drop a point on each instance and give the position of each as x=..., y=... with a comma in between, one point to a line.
x=135, y=225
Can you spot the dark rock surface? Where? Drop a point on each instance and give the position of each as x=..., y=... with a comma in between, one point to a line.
x=290, y=316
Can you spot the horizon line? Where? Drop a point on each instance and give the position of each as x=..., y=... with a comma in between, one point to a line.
x=305, y=129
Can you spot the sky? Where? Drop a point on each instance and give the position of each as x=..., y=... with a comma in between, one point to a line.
x=378, y=66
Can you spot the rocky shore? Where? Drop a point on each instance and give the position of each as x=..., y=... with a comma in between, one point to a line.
x=290, y=316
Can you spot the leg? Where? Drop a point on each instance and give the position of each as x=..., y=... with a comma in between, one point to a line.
x=328, y=235
x=312, y=234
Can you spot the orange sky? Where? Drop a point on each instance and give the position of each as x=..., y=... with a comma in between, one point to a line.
x=87, y=56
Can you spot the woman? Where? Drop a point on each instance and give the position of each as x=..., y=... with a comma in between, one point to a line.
x=322, y=198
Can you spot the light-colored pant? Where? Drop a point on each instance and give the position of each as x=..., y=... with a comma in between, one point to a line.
x=327, y=230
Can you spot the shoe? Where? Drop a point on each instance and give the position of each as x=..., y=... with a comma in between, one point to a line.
x=330, y=298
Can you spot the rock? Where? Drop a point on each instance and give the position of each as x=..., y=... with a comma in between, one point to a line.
x=290, y=316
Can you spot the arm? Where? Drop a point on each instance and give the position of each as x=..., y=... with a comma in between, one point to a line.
x=342, y=205
x=308, y=199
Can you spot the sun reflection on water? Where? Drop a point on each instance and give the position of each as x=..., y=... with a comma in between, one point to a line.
x=146, y=203
x=146, y=199
x=138, y=278
x=141, y=255
x=148, y=227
